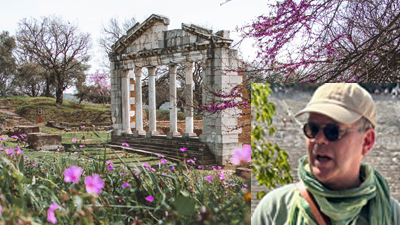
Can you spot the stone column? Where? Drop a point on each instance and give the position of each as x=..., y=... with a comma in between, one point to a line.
x=173, y=127
x=126, y=126
x=139, y=117
x=152, y=102
x=189, y=100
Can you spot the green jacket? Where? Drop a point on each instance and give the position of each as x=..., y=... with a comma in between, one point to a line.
x=274, y=207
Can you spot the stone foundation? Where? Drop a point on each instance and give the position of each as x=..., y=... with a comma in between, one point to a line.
x=43, y=141
x=26, y=130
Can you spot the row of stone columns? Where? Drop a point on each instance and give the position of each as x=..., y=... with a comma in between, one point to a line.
x=152, y=102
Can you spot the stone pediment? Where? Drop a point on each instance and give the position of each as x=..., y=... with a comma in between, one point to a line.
x=152, y=38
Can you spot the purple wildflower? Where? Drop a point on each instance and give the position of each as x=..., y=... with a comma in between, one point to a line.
x=72, y=174
x=150, y=198
x=125, y=185
x=50, y=213
x=242, y=157
x=94, y=184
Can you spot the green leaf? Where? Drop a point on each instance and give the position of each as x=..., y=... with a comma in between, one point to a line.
x=21, y=164
x=185, y=192
x=184, y=205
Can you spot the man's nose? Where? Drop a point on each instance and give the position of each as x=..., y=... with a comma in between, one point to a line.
x=320, y=138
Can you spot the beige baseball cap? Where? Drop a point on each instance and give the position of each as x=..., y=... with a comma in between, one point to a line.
x=344, y=103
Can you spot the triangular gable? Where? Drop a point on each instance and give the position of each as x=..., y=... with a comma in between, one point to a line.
x=139, y=29
x=153, y=35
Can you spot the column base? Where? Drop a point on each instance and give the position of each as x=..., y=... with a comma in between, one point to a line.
x=127, y=131
x=188, y=135
x=173, y=134
x=136, y=133
x=151, y=133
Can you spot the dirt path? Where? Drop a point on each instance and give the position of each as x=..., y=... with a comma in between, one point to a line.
x=12, y=118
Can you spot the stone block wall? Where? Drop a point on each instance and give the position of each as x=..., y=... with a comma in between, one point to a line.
x=245, y=118
x=220, y=75
x=116, y=98
x=44, y=141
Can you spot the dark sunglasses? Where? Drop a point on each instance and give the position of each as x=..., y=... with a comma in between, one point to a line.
x=332, y=132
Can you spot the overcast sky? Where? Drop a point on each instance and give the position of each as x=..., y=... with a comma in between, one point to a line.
x=90, y=14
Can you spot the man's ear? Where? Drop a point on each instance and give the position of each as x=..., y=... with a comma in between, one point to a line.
x=368, y=141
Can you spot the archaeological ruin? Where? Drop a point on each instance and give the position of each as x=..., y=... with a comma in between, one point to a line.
x=150, y=44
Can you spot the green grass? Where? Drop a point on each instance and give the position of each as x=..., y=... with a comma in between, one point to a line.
x=69, y=111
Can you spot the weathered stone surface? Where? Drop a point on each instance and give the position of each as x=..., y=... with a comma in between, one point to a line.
x=43, y=141
x=26, y=130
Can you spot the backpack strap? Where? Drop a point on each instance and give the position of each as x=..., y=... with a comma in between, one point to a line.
x=321, y=218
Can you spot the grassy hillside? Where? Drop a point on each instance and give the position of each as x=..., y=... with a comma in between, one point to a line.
x=69, y=111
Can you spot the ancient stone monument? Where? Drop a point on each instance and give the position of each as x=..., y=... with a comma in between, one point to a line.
x=151, y=44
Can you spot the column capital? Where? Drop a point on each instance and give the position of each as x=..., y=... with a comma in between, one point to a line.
x=125, y=73
x=151, y=70
x=172, y=66
x=187, y=64
x=138, y=71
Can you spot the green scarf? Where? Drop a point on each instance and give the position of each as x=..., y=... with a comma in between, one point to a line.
x=343, y=207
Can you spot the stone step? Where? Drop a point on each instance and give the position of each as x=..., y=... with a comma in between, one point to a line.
x=201, y=159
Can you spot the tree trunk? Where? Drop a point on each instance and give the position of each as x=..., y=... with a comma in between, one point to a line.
x=47, y=91
x=59, y=96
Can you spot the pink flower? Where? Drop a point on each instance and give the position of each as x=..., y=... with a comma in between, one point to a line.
x=242, y=157
x=50, y=213
x=94, y=184
x=145, y=165
x=80, y=146
x=126, y=185
x=150, y=198
x=19, y=151
x=75, y=153
x=72, y=174
x=209, y=178
x=190, y=160
x=2, y=139
x=222, y=176
x=183, y=149
x=163, y=161
x=10, y=152
x=73, y=140
x=108, y=161
x=15, y=137
x=126, y=144
x=34, y=164
x=199, y=167
x=110, y=167
x=173, y=167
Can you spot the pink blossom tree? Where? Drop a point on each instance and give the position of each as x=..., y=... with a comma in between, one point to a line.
x=99, y=89
x=101, y=82
x=329, y=41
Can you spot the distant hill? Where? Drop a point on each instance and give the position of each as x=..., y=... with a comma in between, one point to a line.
x=70, y=97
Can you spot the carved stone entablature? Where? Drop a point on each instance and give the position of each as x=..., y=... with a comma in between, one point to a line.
x=113, y=56
x=152, y=39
